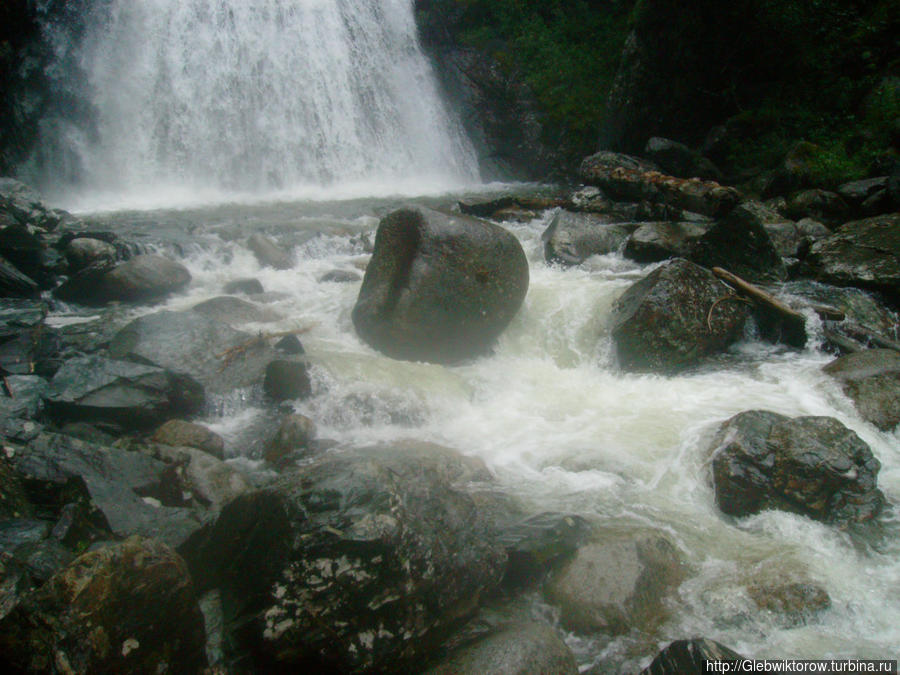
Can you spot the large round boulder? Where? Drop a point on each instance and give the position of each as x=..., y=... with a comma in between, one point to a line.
x=439, y=288
x=358, y=561
x=673, y=317
x=814, y=466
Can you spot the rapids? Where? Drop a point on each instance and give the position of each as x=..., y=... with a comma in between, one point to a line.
x=558, y=425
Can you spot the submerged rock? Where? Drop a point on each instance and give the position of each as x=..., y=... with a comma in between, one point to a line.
x=516, y=649
x=795, y=602
x=674, y=317
x=439, y=288
x=359, y=561
x=571, y=238
x=268, y=253
x=127, y=607
x=814, y=466
x=235, y=311
x=872, y=379
x=618, y=582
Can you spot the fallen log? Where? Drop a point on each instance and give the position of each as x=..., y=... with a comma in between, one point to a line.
x=777, y=321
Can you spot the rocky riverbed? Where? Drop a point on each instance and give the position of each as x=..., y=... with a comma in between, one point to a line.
x=528, y=432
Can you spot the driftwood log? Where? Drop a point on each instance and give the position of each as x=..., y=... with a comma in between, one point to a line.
x=776, y=320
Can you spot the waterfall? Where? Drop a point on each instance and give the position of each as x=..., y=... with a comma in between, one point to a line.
x=255, y=96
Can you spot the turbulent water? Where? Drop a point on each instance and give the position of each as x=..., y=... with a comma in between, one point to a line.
x=187, y=100
x=562, y=429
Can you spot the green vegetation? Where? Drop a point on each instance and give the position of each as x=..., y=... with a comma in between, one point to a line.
x=567, y=51
x=778, y=71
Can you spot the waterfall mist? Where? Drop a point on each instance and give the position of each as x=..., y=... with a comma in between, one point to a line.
x=250, y=96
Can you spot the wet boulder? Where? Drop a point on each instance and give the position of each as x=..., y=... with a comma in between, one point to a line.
x=197, y=478
x=863, y=253
x=814, y=466
x=213, y=353
x=128, y=607
x=538, y=544
x=439, y=288
x=286, y=380
x=244, y=287
x=821, y=205
x=178, y=433
x=793, y=240
x=617, y=582
x=872, y=379
x=674, y=317
x=84, y=252
x=740, y=244
x=687, y=657
x=295, y=435
x=144, y=278
x=571, y=238
x=268, y=253
x=131, y=395
x=655, y=242
x=359, y=561
x=520, y=648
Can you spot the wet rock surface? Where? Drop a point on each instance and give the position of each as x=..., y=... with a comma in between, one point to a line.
x=674, y=317
x=141, y=279
x=571, y=238
x=358, y=561
x=439, y=288
x=814, y=466
x=127, y=607
x=872, y=379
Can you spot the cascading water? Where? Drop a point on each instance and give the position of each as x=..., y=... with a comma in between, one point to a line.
x=254, y=96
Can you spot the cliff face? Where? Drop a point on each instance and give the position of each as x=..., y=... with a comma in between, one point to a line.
x=18, y=31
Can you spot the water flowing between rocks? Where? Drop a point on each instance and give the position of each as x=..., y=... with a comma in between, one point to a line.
x=558, y=425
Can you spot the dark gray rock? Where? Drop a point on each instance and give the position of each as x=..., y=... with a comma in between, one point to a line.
x=128, y=607
x=84, y=252
x=268, y=253
x=858, y=191
x=15, y=284
x=135, y=396
x=235, y=311
x=144, y=278
x=679, y=160
x=537, y=544
x=826, y=207
x=13, y=497
x=287, y=380
x=515, y=649
x=793, y=240
x=571, y=238
x=872, y=379
x=25, y=397
x=244, y=286
x=178, y=433
x=814, y=466
x=616, y=583
x=673, y=318
x=655, y=242
x=195, y=345
x=115, y=488
x=740, y=244
x=359, y=561
x=199, y=479
x=690, y=657
x=863, y=253
x=439, y=288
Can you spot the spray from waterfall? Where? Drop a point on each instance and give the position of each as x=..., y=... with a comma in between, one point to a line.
x=254, y=96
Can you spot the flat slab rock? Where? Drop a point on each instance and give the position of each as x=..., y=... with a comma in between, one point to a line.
x=814, y=466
